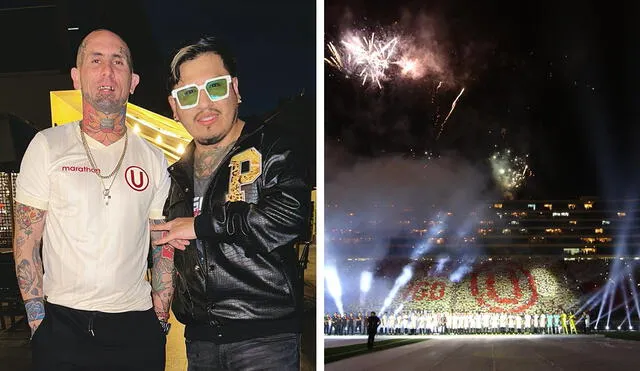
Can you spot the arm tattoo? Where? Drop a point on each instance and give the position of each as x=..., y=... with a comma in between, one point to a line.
x=26, y=217
x=35, y=312
x=26, y=251
x=162, y=276
x=37, y=265
x=26, y=275
x=35, y=309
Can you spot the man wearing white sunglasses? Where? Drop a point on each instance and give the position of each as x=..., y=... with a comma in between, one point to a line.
x=238, y=193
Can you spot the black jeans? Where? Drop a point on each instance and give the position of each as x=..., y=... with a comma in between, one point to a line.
x=70, y=339
x=372, y=335
x=275, y=352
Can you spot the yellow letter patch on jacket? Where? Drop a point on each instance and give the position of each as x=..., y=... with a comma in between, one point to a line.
x=238, y=178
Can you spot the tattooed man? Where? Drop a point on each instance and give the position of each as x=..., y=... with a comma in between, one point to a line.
x=88, y=190
x=238, y=191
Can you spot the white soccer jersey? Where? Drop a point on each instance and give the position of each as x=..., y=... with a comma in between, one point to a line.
x=495, y=319
x=94, y=255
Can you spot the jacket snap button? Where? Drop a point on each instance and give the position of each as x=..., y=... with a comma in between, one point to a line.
x=197, y=268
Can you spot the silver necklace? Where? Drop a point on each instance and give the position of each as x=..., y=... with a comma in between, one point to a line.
x=105, y=190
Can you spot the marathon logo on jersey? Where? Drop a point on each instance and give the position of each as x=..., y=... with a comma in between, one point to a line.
x=197, y=206
x=81, y=169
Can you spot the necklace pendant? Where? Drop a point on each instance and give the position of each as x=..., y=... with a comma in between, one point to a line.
x=107, y=196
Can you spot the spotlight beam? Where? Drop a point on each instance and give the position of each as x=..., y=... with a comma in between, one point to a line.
x=611, y=297
x=635, y=292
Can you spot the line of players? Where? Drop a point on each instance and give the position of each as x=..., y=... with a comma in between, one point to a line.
x=425, y=323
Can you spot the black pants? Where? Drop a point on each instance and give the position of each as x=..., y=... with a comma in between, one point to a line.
x=279, y=352
x=70, y=339
x=372, y=334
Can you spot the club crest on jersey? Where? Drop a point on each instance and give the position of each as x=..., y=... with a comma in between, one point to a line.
x=246, y=167
x=136, y=178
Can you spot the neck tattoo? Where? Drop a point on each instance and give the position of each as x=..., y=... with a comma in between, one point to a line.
x=107, y=123
x=208, y=161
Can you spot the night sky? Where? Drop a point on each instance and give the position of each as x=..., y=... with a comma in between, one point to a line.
x=558, y=82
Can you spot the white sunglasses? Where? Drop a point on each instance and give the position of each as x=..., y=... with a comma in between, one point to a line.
x=216, y=88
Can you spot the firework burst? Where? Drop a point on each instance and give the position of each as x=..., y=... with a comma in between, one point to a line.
x=367, y=57
x=509, y=170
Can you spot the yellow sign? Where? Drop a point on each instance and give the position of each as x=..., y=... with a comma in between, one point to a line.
x=164, y=133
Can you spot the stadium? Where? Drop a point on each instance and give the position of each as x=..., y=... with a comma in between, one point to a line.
x=511, y=268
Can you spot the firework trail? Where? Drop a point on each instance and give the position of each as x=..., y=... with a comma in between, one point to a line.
x=435, y=92
x=453, y=106
x=436, y=105
x=335, y=60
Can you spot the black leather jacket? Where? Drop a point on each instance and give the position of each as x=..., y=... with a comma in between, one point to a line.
x=247, y=286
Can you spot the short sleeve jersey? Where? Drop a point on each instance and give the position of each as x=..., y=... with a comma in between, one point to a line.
x=94, y=254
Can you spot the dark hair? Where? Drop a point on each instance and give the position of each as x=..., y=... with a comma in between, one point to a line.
x=193, y=50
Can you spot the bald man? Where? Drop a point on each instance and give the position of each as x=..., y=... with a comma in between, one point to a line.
x=88, y=191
